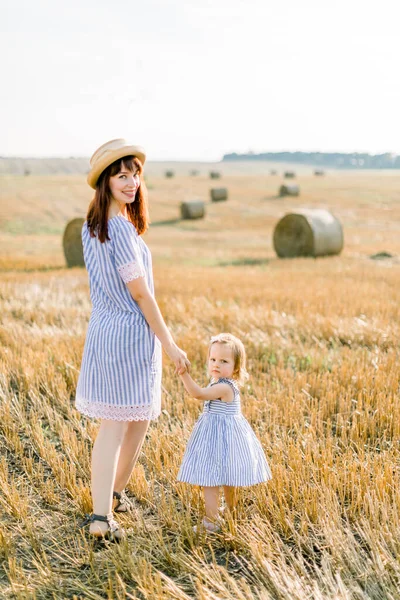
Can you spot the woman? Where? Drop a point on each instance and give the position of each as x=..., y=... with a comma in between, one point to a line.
x=120, y=377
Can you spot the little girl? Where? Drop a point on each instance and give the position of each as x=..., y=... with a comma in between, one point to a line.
x=223, y=449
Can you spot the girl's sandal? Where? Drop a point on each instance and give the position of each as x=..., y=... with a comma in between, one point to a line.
x=114, y=533
x=208, y=526
x=123, y=503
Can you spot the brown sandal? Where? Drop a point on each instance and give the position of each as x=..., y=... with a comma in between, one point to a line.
x=114, y=532
x=123, y=503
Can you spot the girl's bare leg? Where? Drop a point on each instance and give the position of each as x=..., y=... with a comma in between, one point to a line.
x=106, y=450
x=231, y=497
x=211, y=500
x=130, y=450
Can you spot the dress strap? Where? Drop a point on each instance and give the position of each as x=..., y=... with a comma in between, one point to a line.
x=231, y=382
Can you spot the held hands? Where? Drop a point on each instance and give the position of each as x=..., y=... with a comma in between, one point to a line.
x=179, y=358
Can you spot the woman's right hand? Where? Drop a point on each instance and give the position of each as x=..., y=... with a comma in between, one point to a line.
x=179, y=358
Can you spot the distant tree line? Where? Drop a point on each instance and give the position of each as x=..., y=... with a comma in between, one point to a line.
x=326, y=159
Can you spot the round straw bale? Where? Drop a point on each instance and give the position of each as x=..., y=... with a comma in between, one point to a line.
x=319, y=173
x=289, y=174
x=72, y=243
x=215, y=175
x=218, y=194
x=308, y=232
x=289, y=189
x=195, y=209
x=169, y=174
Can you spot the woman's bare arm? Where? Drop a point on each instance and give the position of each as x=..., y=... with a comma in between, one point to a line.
x=140, y=292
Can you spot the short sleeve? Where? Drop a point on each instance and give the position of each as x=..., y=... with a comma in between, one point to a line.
x=127, y=254
x=231, y=384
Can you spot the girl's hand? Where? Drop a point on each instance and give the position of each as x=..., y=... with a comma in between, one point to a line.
x=179, y=358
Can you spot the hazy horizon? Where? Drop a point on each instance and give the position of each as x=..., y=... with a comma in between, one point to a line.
x=184, y=160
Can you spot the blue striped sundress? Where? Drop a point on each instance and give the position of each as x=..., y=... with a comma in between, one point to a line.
x=223, y=449
x=120, y=376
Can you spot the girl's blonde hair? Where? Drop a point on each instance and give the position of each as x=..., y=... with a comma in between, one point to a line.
x=239, y=354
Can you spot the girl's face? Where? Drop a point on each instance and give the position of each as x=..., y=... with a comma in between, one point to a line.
x=124, y=185
x=220, y=362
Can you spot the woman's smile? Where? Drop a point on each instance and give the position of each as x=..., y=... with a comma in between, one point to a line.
x=124, y=186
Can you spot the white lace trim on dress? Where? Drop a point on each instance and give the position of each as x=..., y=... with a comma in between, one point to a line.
x=130, y=271
x=117, y=413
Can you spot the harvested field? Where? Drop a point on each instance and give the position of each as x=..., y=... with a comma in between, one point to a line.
x=322, y=337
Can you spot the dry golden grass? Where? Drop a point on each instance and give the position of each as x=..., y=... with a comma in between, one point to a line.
x=323, y=345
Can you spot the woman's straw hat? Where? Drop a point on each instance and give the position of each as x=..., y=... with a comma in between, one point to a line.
x=108, y=153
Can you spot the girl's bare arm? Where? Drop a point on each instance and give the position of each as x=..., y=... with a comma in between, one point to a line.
x=219, y=391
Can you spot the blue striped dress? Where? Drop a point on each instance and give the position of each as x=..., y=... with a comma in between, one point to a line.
x=120, y=376
x=223, y=449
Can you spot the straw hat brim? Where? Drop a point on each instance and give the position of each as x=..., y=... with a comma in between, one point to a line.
x=111, y=157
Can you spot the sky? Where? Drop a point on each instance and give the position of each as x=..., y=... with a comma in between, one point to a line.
x=193, y=80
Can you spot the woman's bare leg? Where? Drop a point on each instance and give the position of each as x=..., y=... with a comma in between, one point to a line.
x=211, y=500
x=106, y=451
x=231, y=497
x=130, y=450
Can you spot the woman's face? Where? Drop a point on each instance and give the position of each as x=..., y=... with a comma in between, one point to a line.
x=124, y=185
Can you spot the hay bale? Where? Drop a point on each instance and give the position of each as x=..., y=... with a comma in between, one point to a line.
x=194, y=209
x=72, y=243
x=273, y=172
x=289, y=174
x=289, y=189
x=194, y=172
x=215, y=175
x=308, y=232
x=169, y=174
x=319, y=173
x=219, y=194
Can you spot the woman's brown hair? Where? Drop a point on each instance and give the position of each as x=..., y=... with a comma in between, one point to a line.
x=137, y=211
